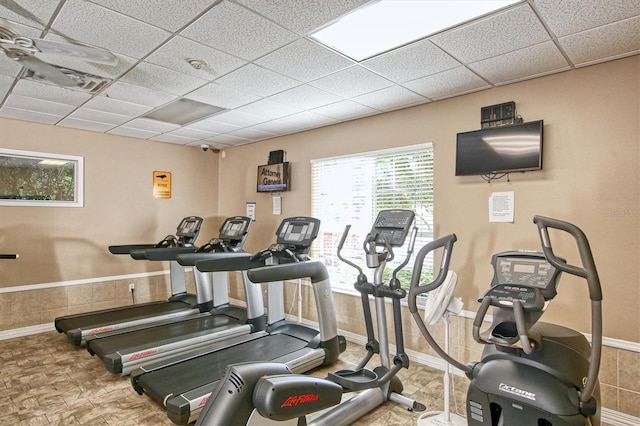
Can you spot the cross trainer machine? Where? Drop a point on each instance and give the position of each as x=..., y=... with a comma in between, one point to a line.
x=271, y=392
x=124, y=350
x=531, y=372
x=78, y=327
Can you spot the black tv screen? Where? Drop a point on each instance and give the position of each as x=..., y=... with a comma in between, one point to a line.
x=515, y=148
x=274, y=177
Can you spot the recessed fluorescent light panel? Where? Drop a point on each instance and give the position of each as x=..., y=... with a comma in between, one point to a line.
x=388, y=24
x=183, y=111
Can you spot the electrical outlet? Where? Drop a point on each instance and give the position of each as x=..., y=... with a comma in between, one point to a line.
x=132, y=287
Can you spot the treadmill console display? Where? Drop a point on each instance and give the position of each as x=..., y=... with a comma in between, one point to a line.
x=525, y=268
x=235, y=228
x=189, y=228
x=298, y=231
x=392, y=226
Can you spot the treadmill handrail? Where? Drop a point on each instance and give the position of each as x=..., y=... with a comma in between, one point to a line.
x=167, y=253
x=227, y=262
x=313, y=269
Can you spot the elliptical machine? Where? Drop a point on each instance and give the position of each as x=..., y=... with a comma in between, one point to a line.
x=270, y=392
x=531, y=373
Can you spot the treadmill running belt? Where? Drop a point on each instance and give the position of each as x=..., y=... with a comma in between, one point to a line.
x=182, y=377
x=161, y=334
x=119, y=315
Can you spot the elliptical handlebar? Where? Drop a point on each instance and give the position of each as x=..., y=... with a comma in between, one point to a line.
x=341, y=245
x=587, y=271
x=415, y=288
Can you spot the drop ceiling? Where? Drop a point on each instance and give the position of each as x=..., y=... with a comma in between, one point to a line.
x=258, y=62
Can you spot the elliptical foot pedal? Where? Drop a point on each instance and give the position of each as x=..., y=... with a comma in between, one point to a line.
x=354, y=380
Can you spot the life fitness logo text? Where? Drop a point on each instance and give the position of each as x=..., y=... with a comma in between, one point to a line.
x=300, y=399
x=143, y=354
x=101, y=330
x=515, y=391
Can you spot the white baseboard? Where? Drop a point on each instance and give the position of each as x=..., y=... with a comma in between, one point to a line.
x=26, y=331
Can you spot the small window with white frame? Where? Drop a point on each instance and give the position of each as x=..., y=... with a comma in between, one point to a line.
x=40, y=179
x=352, y=189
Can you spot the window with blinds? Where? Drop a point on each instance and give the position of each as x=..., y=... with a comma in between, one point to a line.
x=351, y=190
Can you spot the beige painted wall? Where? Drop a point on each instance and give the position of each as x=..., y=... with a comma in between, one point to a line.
x=590, y=177
x=61, y=244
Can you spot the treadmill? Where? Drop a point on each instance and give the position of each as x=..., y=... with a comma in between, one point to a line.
x=78, y=327
x=124, y=350
x=183, y=384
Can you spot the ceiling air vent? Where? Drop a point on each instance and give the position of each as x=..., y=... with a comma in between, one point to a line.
x=88, y=83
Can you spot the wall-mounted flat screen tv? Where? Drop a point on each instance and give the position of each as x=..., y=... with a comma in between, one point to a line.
x=274, y=177
x=504, y=149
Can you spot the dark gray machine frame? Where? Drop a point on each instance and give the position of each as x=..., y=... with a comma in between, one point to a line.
x=530, y=373
x=184, y=384
x=78, y=327
x=125, y=350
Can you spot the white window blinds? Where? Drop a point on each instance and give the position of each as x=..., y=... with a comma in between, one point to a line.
x=353, y=189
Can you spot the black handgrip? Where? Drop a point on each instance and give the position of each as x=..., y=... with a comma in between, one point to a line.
x=588, y=269
x=415, y=288
x=9, y=256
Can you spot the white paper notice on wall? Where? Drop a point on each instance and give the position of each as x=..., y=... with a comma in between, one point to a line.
x=277, y=205
x=501, y=206
x=251, y=210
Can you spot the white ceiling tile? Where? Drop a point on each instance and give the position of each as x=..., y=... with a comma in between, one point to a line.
x=39, y=12
x=571, y=16
x=100, y=117
x=257, y=80
x=115, y=106
x=229, y=139
x=305, y=97
x=603, y=43
x=168, y=14
x=38, y=105
x=20, y=114
x=234, y=29
x=49, y=92
x=137, y=94
x=345, y=110
x=447, y=83
x=413, y=61
x=237, y=118
x=107, y=29
x=8, y=67
x=175, y=54
x=351, y=82
x=151, y=125
x=5, y=85
x=506, y=31
x=133, y=133
x=304, y=60
x=269, y=109
x=303, y=16
x=211, y=125
x=222, y=96
x=77, y=123
x=190, y=133
x=530, y=62
x=305, y=120
x=390, y=98
x=162, y=79
x=251, y=134
x=169, y=138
